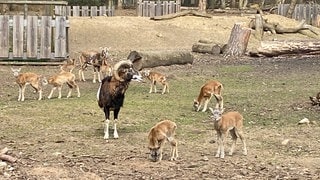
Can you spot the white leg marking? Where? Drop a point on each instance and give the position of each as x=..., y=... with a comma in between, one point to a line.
x=106, y=129
x=115, y=132
x=59, y=89
x=20, y=92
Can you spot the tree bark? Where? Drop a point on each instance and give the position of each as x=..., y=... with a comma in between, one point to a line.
x=150, y=59
x=277, y=48
x=258, y=27
x=238, y=41
x=202, y=5
x=291, y=8
x=223, y=4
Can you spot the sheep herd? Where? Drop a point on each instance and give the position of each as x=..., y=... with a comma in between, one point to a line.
x=111, y=95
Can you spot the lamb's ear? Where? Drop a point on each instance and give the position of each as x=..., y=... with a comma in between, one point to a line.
x=211, y=110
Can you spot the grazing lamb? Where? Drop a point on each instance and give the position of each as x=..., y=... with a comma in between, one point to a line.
x=155, y=77
x=112, y=91
x=61, y=78
x=229, y=122
x=23, y=79
x=92, y=58
x=209, y=89
x=158, y=135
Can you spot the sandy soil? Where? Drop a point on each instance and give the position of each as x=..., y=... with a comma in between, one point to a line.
x=125, y=33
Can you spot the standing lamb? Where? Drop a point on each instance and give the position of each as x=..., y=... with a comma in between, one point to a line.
x=92, y=58
x=61, y=78
x=23, y=79
x=154, y=78
x=229, y=122
x=158, y=135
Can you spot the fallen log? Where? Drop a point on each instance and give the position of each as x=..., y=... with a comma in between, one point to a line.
x=182, y=13
x=199, y=47
x=5, y=157
x=277, y=48
x=150, y=59
x=276, y=28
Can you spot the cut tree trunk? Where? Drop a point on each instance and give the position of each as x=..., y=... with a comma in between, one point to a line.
x=150, y=59
x=209, y=48
x=202, y=5
x=259, y=27
x=238, y=41
x=277, y=48
x=291, y=8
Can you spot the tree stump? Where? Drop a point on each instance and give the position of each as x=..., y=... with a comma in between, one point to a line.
x=258, y=27
x=150, y=59
x=238, y=41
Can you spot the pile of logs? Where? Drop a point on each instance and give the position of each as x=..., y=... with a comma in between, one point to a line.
x=276, y=48
x=236, y=45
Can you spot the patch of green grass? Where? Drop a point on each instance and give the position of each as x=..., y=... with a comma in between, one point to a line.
x=265, y=95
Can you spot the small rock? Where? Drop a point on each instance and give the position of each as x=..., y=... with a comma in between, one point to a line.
x=3, y=166
x=304, y=121
x=205, y=158
x=285, y=142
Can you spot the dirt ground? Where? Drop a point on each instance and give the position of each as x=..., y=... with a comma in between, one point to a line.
x=121, y=159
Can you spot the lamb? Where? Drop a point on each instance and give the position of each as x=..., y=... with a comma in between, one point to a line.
x=155, y=77
x=158, y=135
x=229, y=122
x=209, y=89
x=61, y=78
x=112, y=91
x=105, y=68
x=68, y=65
x=92, y=58
x=23, y=79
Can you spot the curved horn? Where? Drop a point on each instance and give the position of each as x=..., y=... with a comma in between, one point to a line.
x=121, y=64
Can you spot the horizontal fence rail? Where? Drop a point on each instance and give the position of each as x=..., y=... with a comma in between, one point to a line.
x=84, y=11
x=158, y=8
x=33, y=37
x=307, y=12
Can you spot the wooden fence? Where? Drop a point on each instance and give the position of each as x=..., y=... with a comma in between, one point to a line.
x=157, y=8
x=307, y=12
x=84, y=11
x=33, y=37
